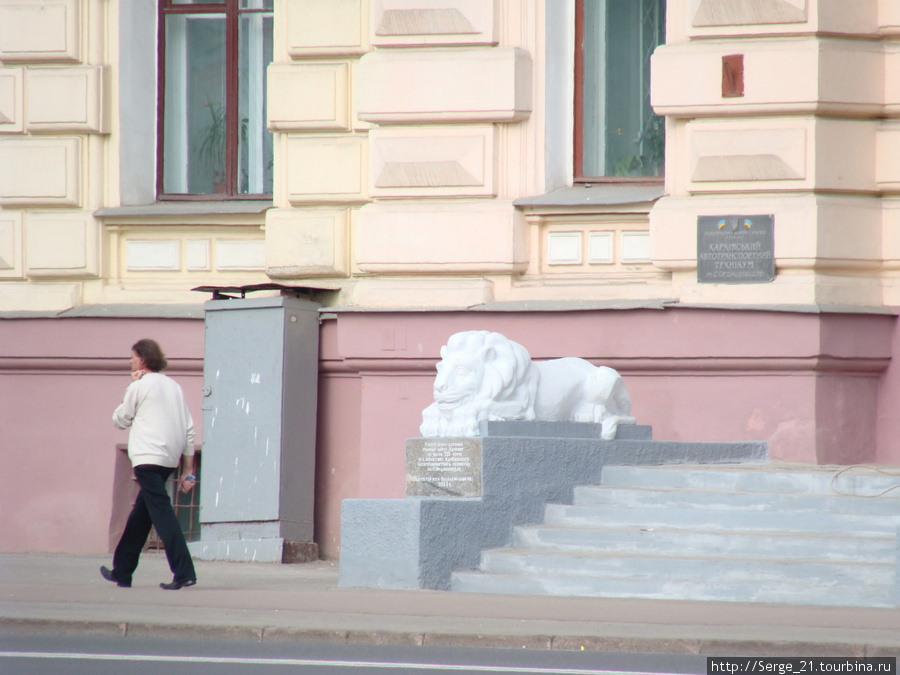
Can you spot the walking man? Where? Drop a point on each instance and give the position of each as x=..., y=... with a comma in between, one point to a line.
x=161, y=434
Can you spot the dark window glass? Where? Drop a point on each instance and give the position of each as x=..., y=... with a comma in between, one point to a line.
x=617, y=133
x=214, y=140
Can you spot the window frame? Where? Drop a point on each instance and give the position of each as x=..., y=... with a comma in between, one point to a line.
x=233, y=13
x=579, y=117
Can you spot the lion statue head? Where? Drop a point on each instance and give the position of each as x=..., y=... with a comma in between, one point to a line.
x=481, y=376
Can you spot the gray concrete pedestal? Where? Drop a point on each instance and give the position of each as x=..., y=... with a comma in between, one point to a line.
x=418, y=541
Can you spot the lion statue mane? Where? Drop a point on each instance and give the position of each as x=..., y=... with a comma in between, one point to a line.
x=484, y=376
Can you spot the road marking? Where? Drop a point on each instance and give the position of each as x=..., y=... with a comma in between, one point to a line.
x=314, y=662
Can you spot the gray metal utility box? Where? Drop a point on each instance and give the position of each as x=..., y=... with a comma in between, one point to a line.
x=260, y=380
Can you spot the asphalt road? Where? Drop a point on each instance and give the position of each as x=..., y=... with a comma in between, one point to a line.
x=86, y=655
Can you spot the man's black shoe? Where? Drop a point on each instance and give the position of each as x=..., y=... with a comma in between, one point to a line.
x=109, y=576
x=175, y=584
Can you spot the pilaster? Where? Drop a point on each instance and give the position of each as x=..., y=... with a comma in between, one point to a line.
x=784, y=108
x=392, y=161
x=54, y=100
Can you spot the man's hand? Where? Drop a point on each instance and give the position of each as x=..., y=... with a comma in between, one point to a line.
x=138, y=374
x=186, y=482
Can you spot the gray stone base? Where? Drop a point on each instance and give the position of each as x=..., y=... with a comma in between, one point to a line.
x=299, y=552
x=239, y=550
x=520, y=428
x=417, y=542
x=252, y=541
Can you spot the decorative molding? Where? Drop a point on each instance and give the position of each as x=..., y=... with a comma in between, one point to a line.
x=892, y=78
x=11, y=100
x=830, y=77
x=441, y=162
x=40, y=171
x=635, y=247
x=889, y=18
x=564, y=248
x=76, y=365
x=307, y=243
x=152, y=255
x=740, y=154
x=425, y=174
x=448, y=21
x=424, y=86
x=310, y=97
x=11, y=245
x=601, y=248
x=61, y=245
x=742, y=167
x=887, y=173
x=39, y=30
x=325, y=169
x=240, y=254
x=748, y=12
x=434, y=22
x=390, y=293
x=65, y=99
x=196, y=255
x=324, y=27
x=443, y=237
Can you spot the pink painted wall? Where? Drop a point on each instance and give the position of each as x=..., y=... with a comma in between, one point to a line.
x=888, y=422
x=338, y=436
x=809, y=384
x=60, y=380
x=819, y=388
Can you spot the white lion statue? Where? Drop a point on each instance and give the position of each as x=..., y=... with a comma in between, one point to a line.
x=486, y=376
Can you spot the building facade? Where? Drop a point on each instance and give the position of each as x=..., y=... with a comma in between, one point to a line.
x=540, y=168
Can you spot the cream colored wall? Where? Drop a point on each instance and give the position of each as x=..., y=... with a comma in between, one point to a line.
x=59, y=164
x=53, y=124
x=405, y=130
x=810, y=141
x=392, y=147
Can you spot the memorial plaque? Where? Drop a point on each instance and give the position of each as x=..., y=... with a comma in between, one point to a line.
x=443, y=467
x=735, y=249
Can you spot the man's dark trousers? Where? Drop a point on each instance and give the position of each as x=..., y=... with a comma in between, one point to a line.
x=153, y=507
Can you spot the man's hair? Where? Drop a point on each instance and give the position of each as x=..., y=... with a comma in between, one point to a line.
x=152, y=354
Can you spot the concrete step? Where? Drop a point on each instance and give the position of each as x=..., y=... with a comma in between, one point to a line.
x=798, y=594
x=747, y=534
x=666, y=497
x=708, y=569
x=678, y=517
x=768, y=478
x=691, y=542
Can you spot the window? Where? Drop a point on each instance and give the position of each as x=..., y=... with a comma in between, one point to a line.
x=212, y=96
x=617, y=134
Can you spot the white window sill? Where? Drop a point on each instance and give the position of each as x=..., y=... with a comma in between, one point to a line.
x=187, y=208
x=593, y=195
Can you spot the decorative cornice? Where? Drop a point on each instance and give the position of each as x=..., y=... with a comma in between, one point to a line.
x=647, y=366
x=80, y=366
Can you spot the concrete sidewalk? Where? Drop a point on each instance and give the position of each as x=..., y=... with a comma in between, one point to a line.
x=267, y=602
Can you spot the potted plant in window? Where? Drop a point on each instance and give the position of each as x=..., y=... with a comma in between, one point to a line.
x=212, y=146
x=653, y=142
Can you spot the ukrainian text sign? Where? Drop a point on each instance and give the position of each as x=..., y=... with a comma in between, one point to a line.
x=735, y=249
x=445, y=467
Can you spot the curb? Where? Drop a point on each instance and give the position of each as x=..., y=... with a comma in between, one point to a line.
x=10, y=626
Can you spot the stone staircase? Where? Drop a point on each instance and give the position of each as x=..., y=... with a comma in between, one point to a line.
x=743, y=533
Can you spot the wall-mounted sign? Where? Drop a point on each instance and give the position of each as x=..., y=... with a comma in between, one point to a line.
x=735, y=249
